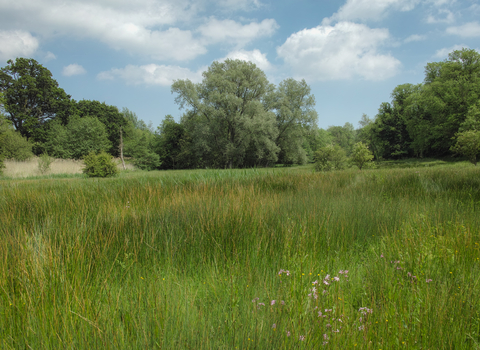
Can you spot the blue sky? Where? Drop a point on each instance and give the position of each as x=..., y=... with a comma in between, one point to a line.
x=126, y=53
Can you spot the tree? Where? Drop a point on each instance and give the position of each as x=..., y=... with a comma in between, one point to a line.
x=77, y=139
x=361, y=155
x=343, y=136
x=468, y=145
x=168, y=142
x=31, y=95
x=296, y=117
x=227, y=115
x=330, y=157
x=109, y=116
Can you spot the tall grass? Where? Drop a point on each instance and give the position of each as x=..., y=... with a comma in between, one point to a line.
x=30, y=168
x=239, y=259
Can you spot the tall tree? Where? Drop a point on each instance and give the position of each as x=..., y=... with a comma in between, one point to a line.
x=31, y=95
x=109, y=116
x=227, y=114
x=296, y=117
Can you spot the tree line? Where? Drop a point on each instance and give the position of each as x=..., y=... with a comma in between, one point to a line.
x=236, y=118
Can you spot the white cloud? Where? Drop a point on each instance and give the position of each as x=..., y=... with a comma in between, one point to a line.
x=17, y=43
x=73, y=69
x=415, y=37
x=442, y=16
x=343, y=51
x=443, y=53
x=151, y=74
x=255, y=56
x=133, y=26
x=365, y=10
x=50, y=56
x=468, y=30
x=244, y=5
x=228, y=30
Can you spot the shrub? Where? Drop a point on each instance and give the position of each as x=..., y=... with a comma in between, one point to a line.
x=468, y=145
x=361, y=155
x=99, y=165
x=329, y=158
x=44, y=162
x=15, y=146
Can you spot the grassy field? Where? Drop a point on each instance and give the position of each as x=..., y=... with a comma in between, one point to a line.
x=243, y=259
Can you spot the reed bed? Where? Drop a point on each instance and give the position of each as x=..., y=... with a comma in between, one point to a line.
x=247, y=259
x=30, y=168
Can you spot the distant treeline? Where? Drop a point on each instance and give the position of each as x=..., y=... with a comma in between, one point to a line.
x=236, y=118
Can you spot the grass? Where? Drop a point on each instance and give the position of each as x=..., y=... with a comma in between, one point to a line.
x=226, y=259
x=59, y=167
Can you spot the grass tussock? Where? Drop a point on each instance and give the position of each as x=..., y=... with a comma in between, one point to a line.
x=248, y=259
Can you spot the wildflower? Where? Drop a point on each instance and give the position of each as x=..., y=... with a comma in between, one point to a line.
x=302, y=337
x=272, y=302
x=254, y=300
x=325, y=336
x=274, y=326
x=328, y=310
x=261, y=304
x=326, y=283
x=328, y=325
x=361, y=328
x=288, y=334
x=282, y=302
x=336, y=279
x=381, y=255
x=314, y=283
x=429, y=280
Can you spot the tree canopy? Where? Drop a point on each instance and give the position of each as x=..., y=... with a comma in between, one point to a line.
x=31, y=96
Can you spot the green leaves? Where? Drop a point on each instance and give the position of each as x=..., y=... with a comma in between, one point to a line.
x=99, y=165
x=468, y=145
x=30, y=95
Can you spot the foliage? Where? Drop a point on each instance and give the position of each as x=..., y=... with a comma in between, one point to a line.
x=143, y=157
x=361, y=155
x=168, y=143
x=330, y=157
x=343, y=136
x=77, y=139
x=296, y=117
x=99, y=165
x=44, y=162
x=227, y=115
x=109, y=116
x=31, y=96
x=468, y=145
x=15, y=146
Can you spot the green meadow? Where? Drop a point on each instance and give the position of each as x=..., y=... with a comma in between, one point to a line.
x=281, y=258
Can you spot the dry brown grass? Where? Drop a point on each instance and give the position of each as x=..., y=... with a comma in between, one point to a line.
x=21, y=169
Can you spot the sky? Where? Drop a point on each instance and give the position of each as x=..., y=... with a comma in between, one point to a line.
x=127, y=53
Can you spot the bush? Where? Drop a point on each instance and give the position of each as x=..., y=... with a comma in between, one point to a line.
x=15, y=146
x=99, y=165
x=361, y=155
x=329, y=158
x=44, y=162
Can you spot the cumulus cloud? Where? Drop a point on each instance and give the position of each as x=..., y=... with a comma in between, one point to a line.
x=151, y=74
x=73, y=69
x=228, y=30
x=255, y=56
x=134, y=26
x=468, y=30
x=343, y=51
x=443, y=53
x=415, y=37
x=365, y=10
x=16, y=43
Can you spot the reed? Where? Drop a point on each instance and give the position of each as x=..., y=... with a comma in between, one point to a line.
x=260, y=258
